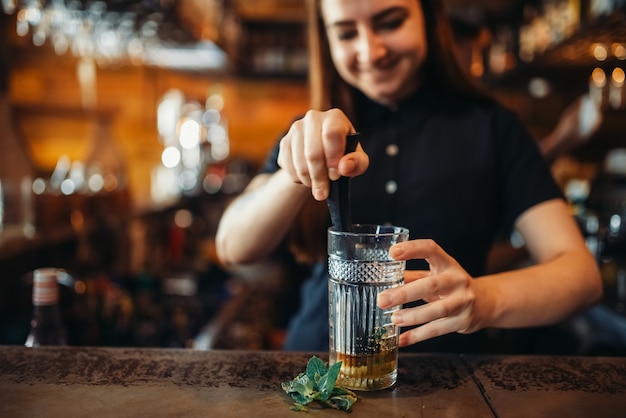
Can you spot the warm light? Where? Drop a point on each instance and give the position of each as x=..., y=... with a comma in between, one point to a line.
x=168, y=113
x=615, y=90
x=598, y=77
x=619, y=51
x=599, y=52
x=77, y=219
x=164, y=186
x=597, y=83
x=170, y=157
x=477, y=69
x=215, y=101
x=33, y=15
x=80, y=287
x=22, y=26
x=617, y=77
x=110, y=182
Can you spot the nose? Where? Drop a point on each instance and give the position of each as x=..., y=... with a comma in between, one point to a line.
x=370, y=48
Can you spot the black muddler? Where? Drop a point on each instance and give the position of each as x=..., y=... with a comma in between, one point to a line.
x=339, y=194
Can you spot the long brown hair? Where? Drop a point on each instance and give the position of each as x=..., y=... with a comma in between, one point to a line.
x=327, y=89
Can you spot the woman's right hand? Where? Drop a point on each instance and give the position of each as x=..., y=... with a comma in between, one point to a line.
x=312, y=152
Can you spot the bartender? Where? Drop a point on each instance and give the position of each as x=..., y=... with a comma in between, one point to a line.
x=436, y=155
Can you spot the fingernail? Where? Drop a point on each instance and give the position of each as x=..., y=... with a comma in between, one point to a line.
x=395, y=251
x=403, y=341
x=397, y=319
x=319, y=194
x=384, y=300
x=333, y=174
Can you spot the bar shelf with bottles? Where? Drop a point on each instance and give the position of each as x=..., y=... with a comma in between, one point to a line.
x=561, y=40
x=144, y=276
x=265, y=47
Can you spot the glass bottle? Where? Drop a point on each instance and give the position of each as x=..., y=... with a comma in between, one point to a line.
x=46, y=327
x=104, y=163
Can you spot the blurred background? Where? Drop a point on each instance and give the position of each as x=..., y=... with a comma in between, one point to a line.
x=127, y=126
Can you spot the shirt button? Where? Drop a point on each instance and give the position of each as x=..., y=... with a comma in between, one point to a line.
x=392, y=150
x=391, y=187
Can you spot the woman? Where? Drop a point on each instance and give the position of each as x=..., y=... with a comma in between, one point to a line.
x=436, y=156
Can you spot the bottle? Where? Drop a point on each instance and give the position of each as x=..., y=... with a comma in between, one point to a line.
x=46, y=327
x=104, y=163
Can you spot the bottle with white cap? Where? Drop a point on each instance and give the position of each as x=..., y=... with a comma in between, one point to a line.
x=46, y=327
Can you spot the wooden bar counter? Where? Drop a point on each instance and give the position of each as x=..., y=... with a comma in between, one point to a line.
x=137, y=382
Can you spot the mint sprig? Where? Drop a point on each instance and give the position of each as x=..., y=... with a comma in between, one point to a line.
x=318, y=384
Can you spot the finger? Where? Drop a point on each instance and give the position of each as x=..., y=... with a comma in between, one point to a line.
x=429, y=288
x=392, y=297
x=298, y=163
x=426, y=249
x=412, y=275
x=285, y=158
x=335, y=128
x=313, y=156
x=354, y=163
x=427, y=331
x=423, y=314
x=298, y=151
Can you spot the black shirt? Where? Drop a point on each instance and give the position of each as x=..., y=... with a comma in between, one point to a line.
x=447, y=168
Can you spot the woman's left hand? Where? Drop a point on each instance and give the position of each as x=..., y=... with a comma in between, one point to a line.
x=448, y=290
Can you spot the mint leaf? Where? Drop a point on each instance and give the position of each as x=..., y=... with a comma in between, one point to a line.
x=314, y=367
x=334, y=372
x=327, y=382
x=343, y=401
x=318, y=384
x=301, y=389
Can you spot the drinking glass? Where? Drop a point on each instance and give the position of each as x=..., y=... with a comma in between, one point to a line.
x=362, y=335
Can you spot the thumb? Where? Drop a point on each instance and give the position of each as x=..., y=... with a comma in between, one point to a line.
x=354, y=163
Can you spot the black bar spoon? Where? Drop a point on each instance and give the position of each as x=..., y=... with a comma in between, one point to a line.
x=339, y=194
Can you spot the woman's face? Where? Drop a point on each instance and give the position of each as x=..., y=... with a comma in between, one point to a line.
x=377, y=46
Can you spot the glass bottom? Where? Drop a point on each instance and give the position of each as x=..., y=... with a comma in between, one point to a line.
x=365, y=384
x=367, y=372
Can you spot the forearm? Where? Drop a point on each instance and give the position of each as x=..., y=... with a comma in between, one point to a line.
x=539, y=295
x=255, y=223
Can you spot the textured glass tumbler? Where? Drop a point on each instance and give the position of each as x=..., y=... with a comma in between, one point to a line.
x=362, y=336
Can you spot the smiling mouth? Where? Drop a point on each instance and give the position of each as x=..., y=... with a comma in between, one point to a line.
x=381, y=68
x=378, y=74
